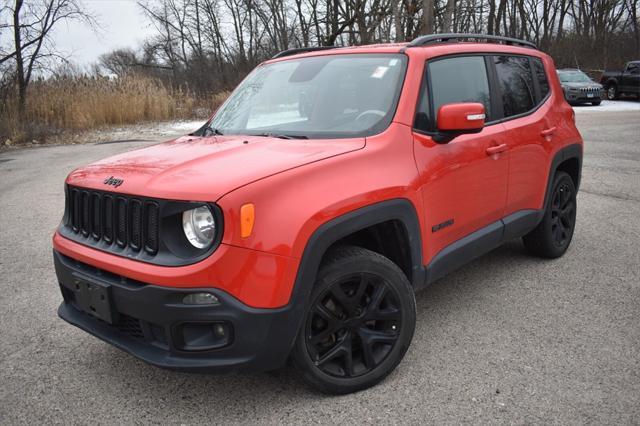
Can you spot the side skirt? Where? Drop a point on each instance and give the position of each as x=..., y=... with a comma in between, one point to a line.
x=481, y=242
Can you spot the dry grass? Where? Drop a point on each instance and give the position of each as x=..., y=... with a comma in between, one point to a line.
x=84, y=103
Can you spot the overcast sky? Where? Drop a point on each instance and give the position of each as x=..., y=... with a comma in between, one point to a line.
x=123, y=25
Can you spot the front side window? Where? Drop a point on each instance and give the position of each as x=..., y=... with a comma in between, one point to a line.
x=329, y=96
x=451, y=80
x=516, y=84
x=633, y=69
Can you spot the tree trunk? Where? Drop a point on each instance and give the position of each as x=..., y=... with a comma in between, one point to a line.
x=22, y=83
x=448, y=16
x=428, y=16
x=396, y=8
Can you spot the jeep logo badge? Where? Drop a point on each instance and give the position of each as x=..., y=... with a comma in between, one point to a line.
x=113, y=181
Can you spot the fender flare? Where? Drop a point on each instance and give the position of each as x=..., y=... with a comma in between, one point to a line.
x=400, y=209
x=325, y=235
x=573, y=151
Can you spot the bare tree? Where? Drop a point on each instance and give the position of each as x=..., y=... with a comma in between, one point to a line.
x=32, y=24
x=119, y=61
x=448, y=16
x=428, y=15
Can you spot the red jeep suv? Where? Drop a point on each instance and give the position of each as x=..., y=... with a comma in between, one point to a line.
x=300, y=220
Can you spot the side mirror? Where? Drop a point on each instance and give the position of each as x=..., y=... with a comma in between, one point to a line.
x=458, y=119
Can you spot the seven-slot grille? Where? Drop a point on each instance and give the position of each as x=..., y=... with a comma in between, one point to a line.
x=115, y=219
x=590, y=89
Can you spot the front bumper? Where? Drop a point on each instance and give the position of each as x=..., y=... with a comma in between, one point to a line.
x=583, y=97
x=150, y=322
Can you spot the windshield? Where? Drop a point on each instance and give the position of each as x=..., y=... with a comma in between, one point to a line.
x=573, y=77
x=329, y=96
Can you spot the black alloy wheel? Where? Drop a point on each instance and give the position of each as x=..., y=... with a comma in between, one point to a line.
x=563, y=214
x=552, y=237
x=354, y=324
x=358, y=324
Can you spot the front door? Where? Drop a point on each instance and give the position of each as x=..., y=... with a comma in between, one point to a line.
x=463, y=182
x=631, y=79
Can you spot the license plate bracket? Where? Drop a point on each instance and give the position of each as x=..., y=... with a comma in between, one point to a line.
x=94, y=298
x=589, y=95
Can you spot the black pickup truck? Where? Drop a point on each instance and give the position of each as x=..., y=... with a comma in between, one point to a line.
x=618, y=83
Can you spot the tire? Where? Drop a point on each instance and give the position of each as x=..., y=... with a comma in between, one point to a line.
x=552, y=237
x=612, y=92
x=596, y=103
x=359, y=322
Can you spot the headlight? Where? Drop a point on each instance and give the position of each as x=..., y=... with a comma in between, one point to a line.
x=199, y=226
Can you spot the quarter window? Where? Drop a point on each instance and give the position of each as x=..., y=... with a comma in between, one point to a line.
x=516, y=84
x=460, y=79
x=541, y=77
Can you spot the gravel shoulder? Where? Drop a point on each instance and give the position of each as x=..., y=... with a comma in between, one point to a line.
x=507, y=339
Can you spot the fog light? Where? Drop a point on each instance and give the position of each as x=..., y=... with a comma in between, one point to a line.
x=200, y=299
x=203, y=336
x=219, y=330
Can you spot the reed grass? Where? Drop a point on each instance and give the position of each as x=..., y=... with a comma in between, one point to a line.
x=85, y=103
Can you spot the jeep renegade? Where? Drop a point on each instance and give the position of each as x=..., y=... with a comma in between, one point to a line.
x=300, y=220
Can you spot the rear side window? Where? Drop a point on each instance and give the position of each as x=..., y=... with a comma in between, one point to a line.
x=541, y=76
x=460, y=79
x=516, y=84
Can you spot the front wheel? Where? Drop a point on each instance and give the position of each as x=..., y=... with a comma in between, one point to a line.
x=612, y=92
x=359, y=322
x=552, y=236
x=596, y=103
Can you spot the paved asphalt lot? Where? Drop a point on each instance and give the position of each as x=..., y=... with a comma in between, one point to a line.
x=508, y=339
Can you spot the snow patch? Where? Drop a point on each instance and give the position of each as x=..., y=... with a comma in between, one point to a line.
x=186, y=125
x=609, y=106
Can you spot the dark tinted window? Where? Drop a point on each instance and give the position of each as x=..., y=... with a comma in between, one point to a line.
x=516, y=84
x=462, y=79
x=541, y=77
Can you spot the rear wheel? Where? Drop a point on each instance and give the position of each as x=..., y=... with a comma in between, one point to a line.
x=552, y=236
x=359, y=323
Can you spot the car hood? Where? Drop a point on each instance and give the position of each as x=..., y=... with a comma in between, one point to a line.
x=204, y=168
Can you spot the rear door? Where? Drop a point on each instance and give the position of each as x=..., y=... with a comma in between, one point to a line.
x=529, y=128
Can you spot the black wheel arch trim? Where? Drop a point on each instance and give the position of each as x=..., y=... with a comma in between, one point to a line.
x=327, y=234
x=400, y=209
x=573, y=151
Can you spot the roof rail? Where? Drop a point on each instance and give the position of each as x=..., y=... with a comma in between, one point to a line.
x=443, y=38
x=297, y=50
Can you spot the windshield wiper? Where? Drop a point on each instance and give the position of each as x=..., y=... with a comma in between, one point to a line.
x=213, y=130
x=205, y=129
x=280, y=136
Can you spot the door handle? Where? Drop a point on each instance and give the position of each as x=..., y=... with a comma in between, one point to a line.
x=548, y=132
x=497, y=149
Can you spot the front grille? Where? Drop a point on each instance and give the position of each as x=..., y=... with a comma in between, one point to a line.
x=589, y=89
x=125, y=221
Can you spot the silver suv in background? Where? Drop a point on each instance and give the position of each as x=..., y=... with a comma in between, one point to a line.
x=579, y=88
